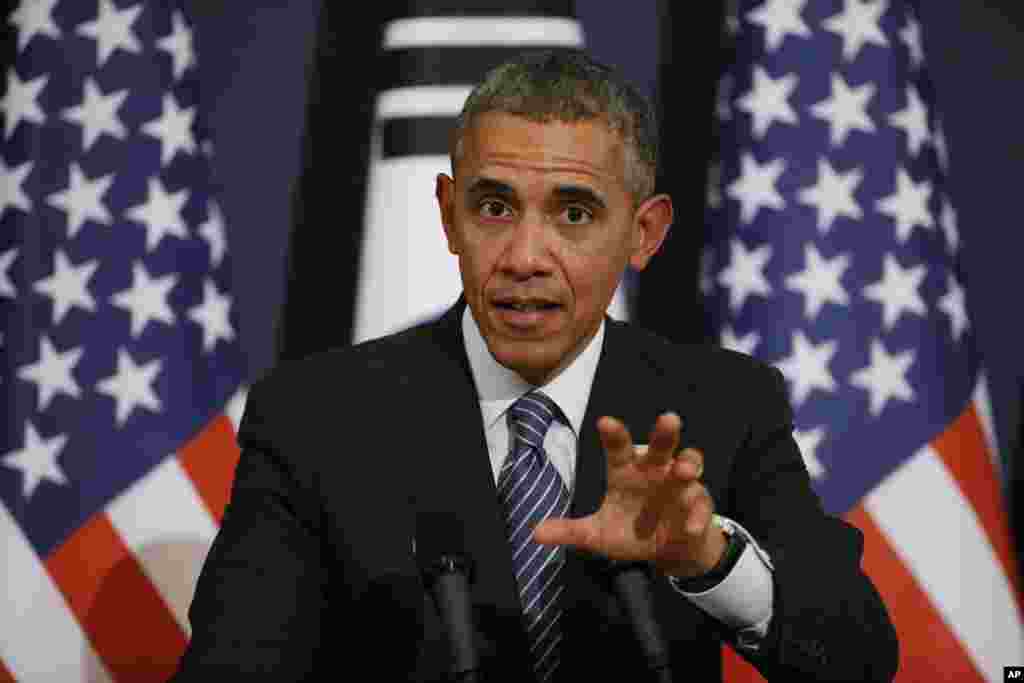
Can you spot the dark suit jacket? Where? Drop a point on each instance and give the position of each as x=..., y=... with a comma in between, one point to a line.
x=344, y=453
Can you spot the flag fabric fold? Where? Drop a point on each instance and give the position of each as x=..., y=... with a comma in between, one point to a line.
x=121, y=370
x=834, y=254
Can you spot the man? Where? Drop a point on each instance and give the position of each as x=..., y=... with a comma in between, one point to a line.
x=502, y=434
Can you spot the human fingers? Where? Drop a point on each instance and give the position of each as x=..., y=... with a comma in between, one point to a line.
x=689, y=464
x=664, y=439
x=564, y=531
x=617, y=442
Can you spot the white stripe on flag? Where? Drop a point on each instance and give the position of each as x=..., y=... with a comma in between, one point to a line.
x=983, y=406
x=407, y=273
x=939, y=539
x=422, y=100
x=40, y=639
x=236, y=406
x=477, y=31
x=166, y=526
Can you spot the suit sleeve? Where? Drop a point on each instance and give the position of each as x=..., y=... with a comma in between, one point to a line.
x=828, y=621
x=257, y=608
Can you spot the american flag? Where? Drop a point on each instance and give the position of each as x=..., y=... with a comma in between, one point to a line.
x=834, y=253
x=121, y=366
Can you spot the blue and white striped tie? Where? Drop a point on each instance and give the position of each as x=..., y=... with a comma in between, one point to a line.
x=531, y=490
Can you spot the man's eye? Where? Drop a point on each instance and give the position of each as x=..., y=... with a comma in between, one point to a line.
x=577, y=215
x=491, y=208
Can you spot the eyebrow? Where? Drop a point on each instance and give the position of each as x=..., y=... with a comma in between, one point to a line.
x=490, y=186
x=578, y=193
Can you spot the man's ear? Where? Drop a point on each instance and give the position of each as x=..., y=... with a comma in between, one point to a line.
x=651, y=222
x=444, y=190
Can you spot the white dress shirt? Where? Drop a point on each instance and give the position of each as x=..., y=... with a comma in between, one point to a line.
x=743, y=600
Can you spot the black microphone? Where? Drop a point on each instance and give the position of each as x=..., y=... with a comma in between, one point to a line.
x=447, y=573
x=631, y=584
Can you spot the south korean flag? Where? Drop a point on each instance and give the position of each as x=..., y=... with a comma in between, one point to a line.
x=432, y=62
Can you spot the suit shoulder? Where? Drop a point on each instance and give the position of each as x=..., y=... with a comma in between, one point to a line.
x=371, y=366
x=698, y=361
x=382, y=352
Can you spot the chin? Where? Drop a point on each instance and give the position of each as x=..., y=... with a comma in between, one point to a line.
x=524, y=358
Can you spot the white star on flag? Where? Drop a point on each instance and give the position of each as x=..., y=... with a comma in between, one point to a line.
x=68, y=286
x=846, y=109
x=767, y=100
x=858, y=24
x=806, y=367
x=52, y=373
x=83, y=199
x=832, y=196
x=884, y=378
x=911, y=35
x=6, y=285
x=37, y=460
x=755, y=187
x=819, y=281
x=707, y=258
x=954, y=305
x=146, y=299
x=173, y=129
x=20, y=102
x=897, y=291
x=34, y=18
x=745, y=274
x=213, y=232
x=212, y=316
x=808, y=442
x=780, y=18
x=948, y=222
x=112, y=29
x=908, y=206
x=745, y=344
x=132, y=386
x=913, y=121
x=12, y=191
x=97, y=113
x=160, y=214
x=179, y=45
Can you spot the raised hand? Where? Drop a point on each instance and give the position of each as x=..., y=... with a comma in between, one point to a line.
x=656, y=509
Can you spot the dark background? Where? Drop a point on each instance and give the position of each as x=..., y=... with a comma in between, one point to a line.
x=290, y=87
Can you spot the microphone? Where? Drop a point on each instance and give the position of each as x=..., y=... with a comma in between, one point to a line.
x=447, y=572
x=631, y=584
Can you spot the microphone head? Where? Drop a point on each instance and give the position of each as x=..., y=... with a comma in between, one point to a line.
x=440, y=545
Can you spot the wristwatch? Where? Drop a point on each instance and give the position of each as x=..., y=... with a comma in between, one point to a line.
x=735, y=544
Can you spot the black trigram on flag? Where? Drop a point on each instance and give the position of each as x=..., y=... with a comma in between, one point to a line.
x=431, y=62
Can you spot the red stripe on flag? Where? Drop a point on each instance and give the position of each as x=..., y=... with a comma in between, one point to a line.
x=735, y=669
x=929, y=650
x=210, y=459
x=964, y=450
x=130, y=626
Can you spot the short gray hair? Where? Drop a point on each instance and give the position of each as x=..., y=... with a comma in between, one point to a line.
x=570, y=86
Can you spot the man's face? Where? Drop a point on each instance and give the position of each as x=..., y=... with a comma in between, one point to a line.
x=543, y=224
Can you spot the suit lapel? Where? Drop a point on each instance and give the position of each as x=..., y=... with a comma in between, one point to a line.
x=628, y=386
x=457, y=484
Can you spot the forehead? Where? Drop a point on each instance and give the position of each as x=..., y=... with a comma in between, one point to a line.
x=498, y=144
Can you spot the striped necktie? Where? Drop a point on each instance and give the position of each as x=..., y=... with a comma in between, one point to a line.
x=531, y=490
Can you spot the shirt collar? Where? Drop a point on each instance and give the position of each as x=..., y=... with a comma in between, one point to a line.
x=499, y=387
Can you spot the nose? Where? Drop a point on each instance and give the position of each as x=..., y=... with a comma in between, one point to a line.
x=527, y=252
